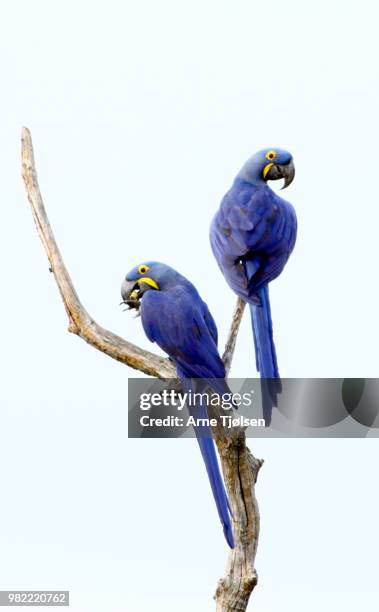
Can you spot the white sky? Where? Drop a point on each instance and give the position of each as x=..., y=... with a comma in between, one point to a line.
x=141, y=115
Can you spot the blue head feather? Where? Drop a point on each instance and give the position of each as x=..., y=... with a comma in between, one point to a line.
x=161, y=273
x=252, y=170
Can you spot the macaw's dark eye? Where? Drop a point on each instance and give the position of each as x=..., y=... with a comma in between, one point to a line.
x=271, y=155
x=143, y=269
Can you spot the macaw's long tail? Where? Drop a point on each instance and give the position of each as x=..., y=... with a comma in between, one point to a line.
x=265, y=353
x=208, y=451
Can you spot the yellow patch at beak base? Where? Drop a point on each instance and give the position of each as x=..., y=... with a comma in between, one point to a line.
x=267, y=169
x=148, y=281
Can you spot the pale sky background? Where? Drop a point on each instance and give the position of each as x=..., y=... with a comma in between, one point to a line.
x=141, y=114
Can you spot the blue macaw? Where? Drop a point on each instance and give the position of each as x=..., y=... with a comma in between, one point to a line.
x=252, y=236
x=176, y=318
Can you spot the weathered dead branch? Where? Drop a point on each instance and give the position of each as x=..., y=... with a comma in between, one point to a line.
x=239, y=466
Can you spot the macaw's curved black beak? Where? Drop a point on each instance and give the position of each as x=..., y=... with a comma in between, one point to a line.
x=132, y=291
x=279, y=171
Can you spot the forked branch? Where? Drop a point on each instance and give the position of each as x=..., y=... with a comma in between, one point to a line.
x=240, y=468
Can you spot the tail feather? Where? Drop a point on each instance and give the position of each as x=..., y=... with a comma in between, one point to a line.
x=263, y=335
x=265, y=352
x=207, y=447
x=210, y=459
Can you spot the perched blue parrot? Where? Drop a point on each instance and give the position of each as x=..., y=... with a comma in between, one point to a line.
x=176, y=318
x=252, y=236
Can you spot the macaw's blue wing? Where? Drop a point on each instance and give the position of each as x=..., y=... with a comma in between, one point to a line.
x=254, y=225
x=207, y=447
x=181, y=324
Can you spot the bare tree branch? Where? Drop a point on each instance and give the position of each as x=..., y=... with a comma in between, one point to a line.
x=233, y=332
x=239, y=467
x=80, y=322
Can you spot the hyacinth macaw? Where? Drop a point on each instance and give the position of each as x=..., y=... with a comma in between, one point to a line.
x=176, y=318
x=252, y=236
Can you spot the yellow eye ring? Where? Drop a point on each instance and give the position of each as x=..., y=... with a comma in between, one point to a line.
x=270, y=155
x=143, y=269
